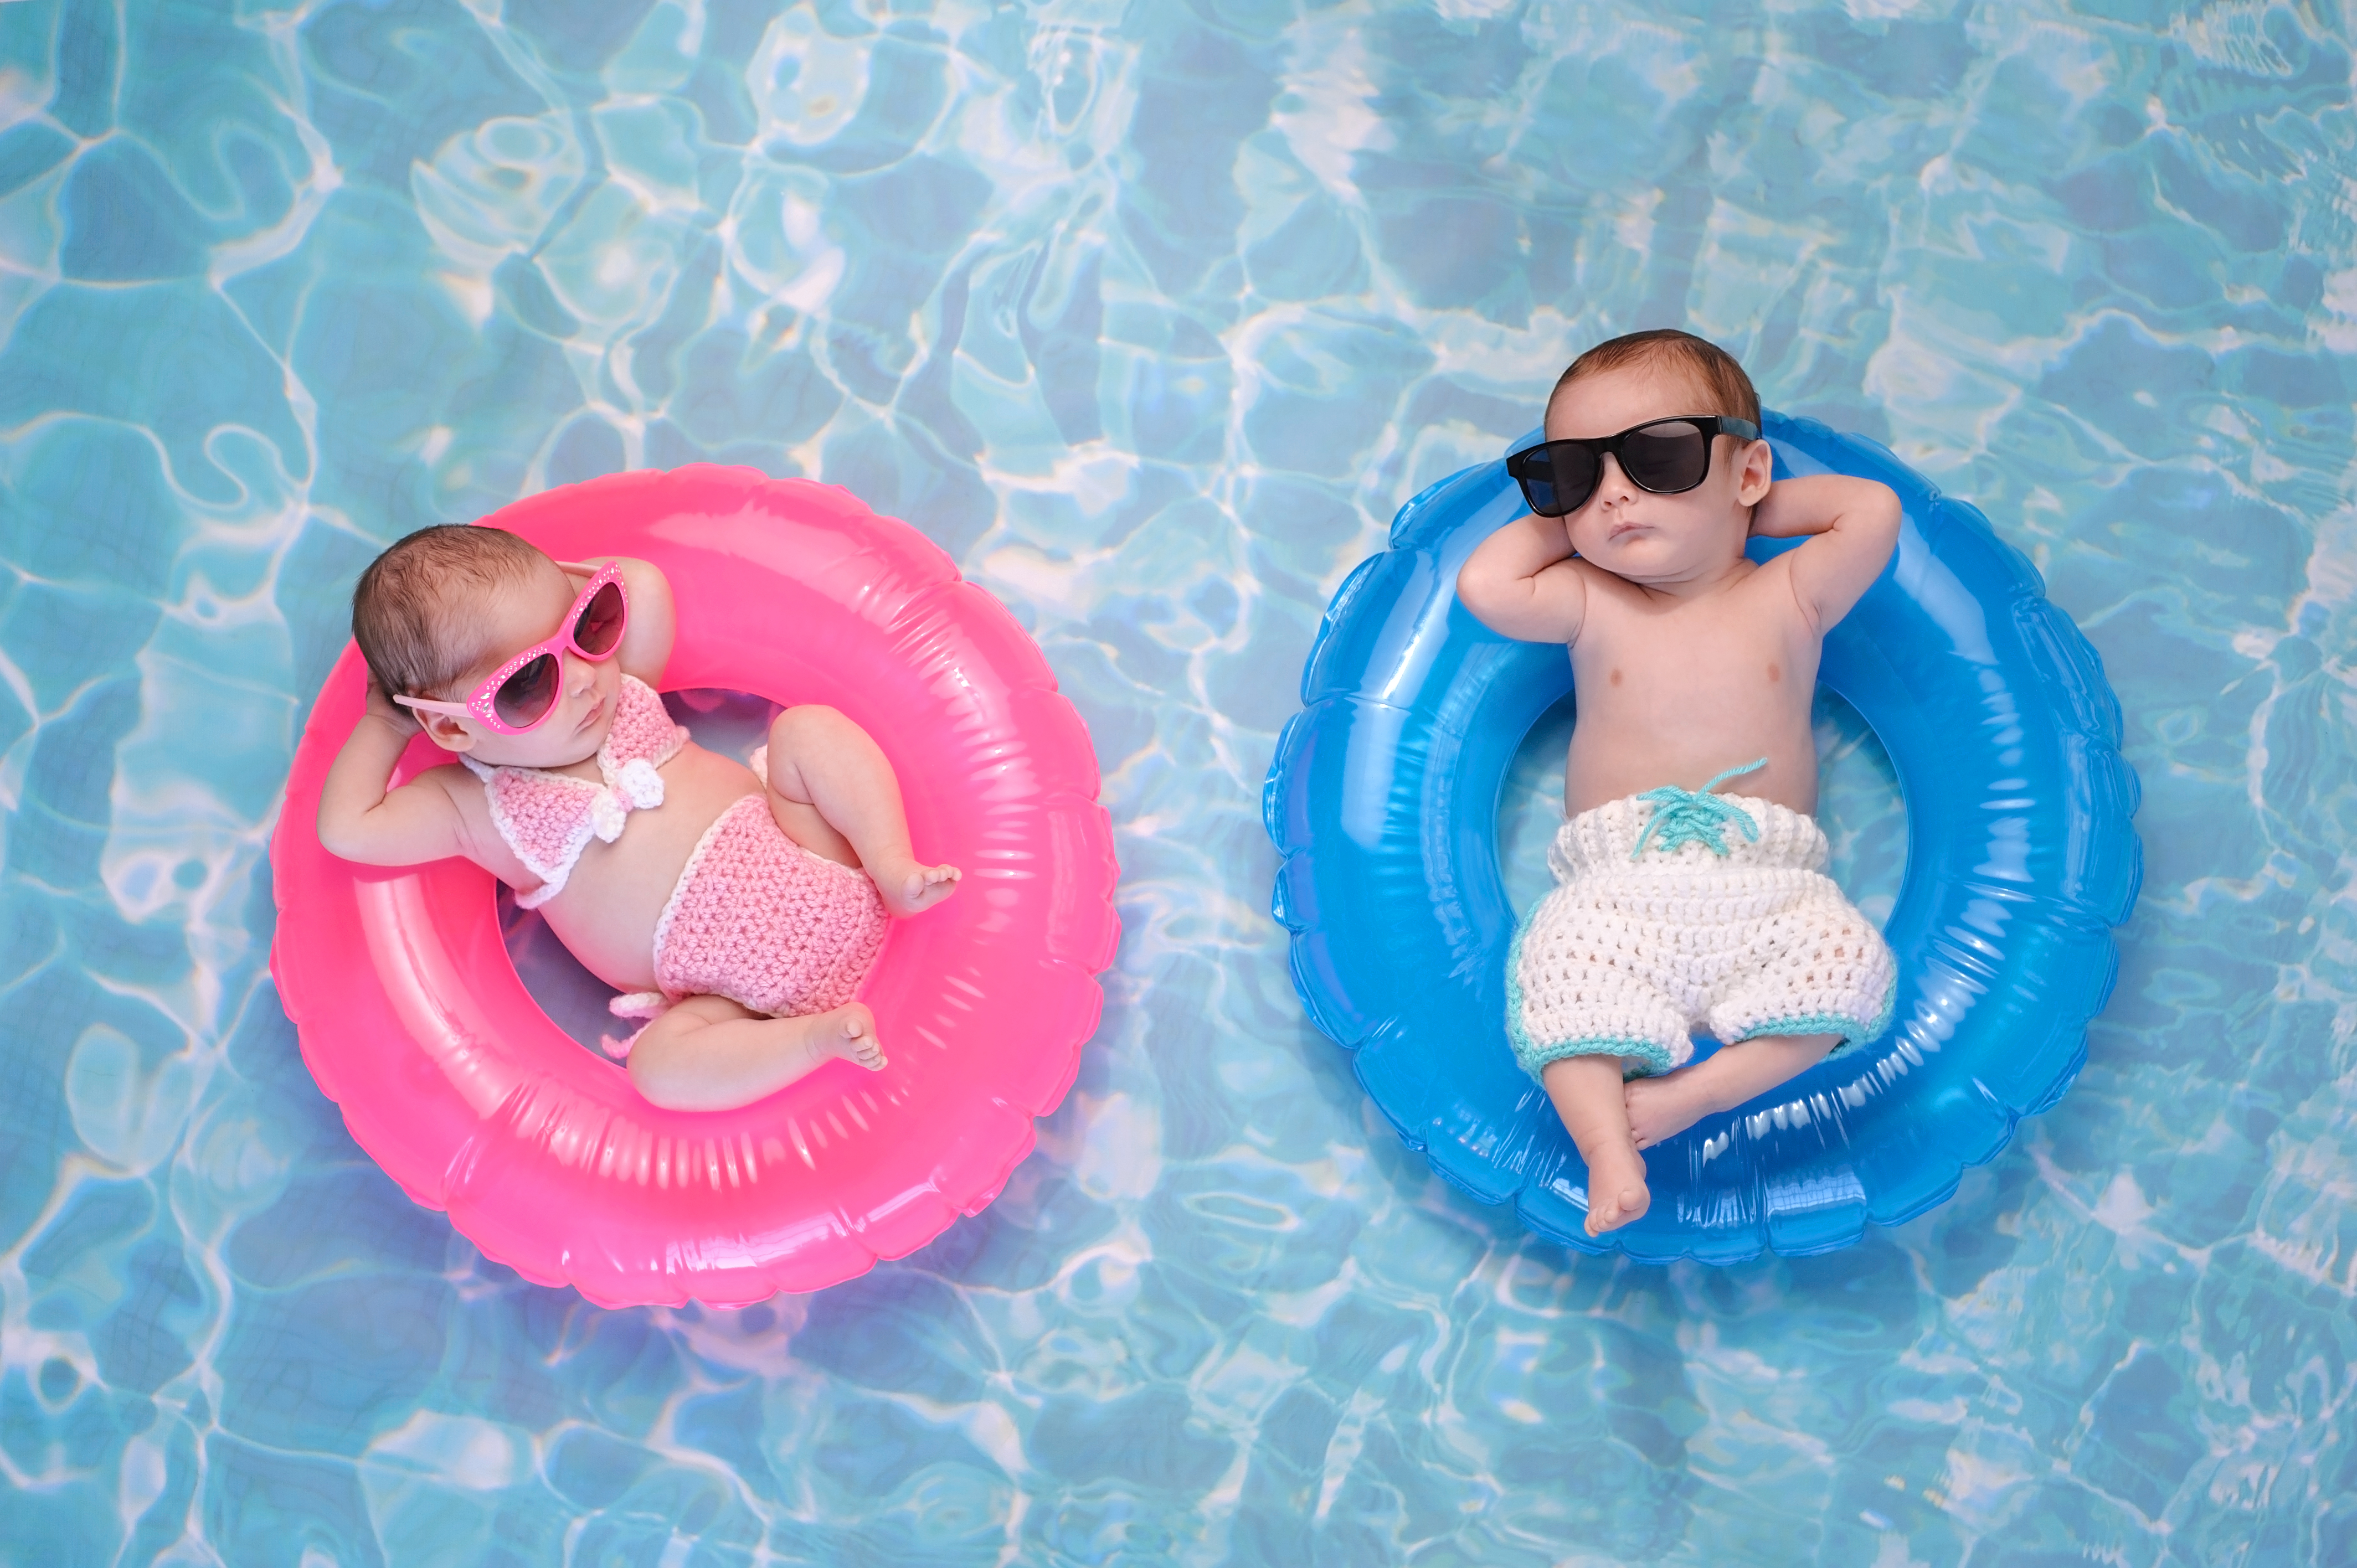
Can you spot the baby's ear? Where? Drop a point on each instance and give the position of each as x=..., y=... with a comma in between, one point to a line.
x=444, y=731
x=1758, y=469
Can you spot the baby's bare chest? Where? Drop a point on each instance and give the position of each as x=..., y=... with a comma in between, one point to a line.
x=1737, y=645
x=1678, y=698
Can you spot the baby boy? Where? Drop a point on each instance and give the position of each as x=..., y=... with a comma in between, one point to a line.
x=1677, y=907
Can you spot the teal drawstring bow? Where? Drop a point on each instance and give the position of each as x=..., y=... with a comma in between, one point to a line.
x=1695, y=816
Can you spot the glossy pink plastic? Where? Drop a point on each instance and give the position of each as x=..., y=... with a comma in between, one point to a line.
x=413, y=1020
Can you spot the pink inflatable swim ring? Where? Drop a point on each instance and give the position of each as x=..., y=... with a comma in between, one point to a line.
x=412, y=1019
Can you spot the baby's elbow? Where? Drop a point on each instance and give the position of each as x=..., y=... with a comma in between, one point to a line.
x=1886, y=510
x=1477, y=590
x=647, y=582
x=336, y=840
x=1511, y=607
x=352, y=840
x=1886, y=520
x=1870, y=519
x=343, y=838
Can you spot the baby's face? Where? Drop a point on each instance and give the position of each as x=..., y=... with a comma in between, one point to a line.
x=1632, y=532
x=512, y=618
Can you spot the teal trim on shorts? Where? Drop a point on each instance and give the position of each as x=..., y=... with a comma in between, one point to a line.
x=1651, y=1057
x=1516, y=1036
x=1639, y=1059
x=1853, y=1033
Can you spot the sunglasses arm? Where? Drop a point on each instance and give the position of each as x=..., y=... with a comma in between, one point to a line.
x=428, y=706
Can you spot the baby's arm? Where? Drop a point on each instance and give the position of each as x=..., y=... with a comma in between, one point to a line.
x=1855, y=523
x=646, y=641
x=1522, y=582
x=360, y=820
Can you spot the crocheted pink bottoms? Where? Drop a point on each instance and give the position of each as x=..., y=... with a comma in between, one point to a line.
x=760, y=919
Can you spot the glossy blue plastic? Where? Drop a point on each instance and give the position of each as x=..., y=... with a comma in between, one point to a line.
x=1383, y=801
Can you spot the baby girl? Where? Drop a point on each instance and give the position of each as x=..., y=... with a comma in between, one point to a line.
x=739, y=907
x=1676, y=907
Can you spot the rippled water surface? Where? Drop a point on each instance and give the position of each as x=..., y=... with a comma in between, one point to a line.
x=1152, y=315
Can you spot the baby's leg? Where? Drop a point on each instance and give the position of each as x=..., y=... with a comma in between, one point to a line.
x=709, y=1053
x=1586, y=1095
x=834, y=793
x=1661, y=1108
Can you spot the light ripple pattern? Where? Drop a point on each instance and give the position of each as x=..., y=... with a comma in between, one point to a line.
x=1152, y=315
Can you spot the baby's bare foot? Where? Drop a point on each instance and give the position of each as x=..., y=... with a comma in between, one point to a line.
x=915, y=888
x=1615, y=1189
x=850, y=1032
x=1661, y=1108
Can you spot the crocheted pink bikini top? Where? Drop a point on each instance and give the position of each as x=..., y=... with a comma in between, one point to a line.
x=548, y=817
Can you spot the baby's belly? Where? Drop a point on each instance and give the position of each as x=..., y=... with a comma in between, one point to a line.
x=1612, y=760
x=607, y=914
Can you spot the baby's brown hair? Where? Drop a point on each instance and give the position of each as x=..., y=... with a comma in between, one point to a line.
x=1716, y=369
x=404, y=605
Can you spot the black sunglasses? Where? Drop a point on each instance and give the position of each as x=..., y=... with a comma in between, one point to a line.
x=1664, y=455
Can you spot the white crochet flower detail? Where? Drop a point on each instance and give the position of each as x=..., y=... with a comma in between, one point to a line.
x=640, y=784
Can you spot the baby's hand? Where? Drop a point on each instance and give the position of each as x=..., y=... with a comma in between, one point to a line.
x=382, y=706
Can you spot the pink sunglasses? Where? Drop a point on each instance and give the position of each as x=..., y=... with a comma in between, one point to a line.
x=522, y=692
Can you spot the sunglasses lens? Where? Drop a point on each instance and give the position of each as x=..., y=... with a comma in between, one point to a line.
x=523, y=698
x=1667, y=458
x=1557, y=478
x=600, y=630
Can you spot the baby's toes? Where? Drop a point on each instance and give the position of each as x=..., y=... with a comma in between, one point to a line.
x=859, y=1042
x=926, y=885
x=1611, y=1209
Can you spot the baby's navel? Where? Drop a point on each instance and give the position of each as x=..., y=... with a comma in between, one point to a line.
x=1775, y=672
x=1616, y=677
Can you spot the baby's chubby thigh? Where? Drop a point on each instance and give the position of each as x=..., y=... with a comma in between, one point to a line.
x=803, y=739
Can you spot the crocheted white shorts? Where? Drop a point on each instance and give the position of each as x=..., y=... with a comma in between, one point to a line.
x=1629, y=955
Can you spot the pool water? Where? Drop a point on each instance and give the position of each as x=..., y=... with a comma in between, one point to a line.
x=1151, y=316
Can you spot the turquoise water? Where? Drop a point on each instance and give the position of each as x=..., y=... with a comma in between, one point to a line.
x=1152, y=315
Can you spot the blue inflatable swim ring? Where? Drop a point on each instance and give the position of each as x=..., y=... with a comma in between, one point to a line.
x=2005, y=738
